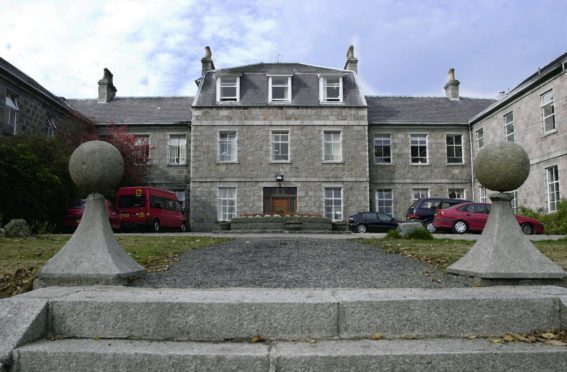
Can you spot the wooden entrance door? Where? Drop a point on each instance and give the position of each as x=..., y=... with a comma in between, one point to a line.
x=280, y=205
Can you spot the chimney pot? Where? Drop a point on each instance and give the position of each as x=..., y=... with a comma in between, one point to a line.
x=351, y=62
x=106, y=88
x=452, y=86
x=207, y=61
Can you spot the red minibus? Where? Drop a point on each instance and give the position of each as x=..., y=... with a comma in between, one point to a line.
x=150, y=207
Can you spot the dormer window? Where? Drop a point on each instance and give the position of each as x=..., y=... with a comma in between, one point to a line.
x=228, y=89
x=331, y=88
x=280, y=88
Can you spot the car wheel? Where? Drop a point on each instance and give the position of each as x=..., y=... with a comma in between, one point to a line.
x=429, y=226
x=156, y=227
x=183, y=227
x=460, y=227
x=361, y=229
x=527, y=229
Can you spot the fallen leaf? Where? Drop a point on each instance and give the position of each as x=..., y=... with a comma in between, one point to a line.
x=377, y=336
x=548, y=335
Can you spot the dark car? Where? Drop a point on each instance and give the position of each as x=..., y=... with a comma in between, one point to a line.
x=371, y=222
x=74, y=213
x=424, y=210
x=473, y=216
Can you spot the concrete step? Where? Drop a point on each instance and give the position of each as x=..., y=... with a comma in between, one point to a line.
x=341, y=355
x=296, y=314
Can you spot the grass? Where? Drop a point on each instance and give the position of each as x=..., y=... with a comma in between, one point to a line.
x=20, y=259
x=444, y=252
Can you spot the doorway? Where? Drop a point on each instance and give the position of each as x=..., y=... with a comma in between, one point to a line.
x=280, y=200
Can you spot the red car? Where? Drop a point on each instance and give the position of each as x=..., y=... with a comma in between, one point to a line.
x=74, y=213
x=472, y=217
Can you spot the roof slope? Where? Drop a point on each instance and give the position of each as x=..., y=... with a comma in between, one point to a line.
x=426, y=110
x=136, y=110
x=254, y=86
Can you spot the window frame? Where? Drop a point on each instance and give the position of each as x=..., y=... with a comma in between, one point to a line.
x=459, y=190
x=220, y=97
x=333, y=205
x=142, y=148
x=48, y=127
x=543, y=106
x=324, y=85
x=509, y=123
x=13, y=108
x=479, y=139
x=389, y=146
x=271, y=85
x=383, y=208
x=552, y=188
x=274, y=132
x=232, y=142
x=222, y=209
x=482, y=197
x=415, y=190
x=182, y=151
x=425, y=137
x=333, y=144
x=454, y=148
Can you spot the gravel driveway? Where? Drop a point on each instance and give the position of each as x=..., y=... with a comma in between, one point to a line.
x=298, y=263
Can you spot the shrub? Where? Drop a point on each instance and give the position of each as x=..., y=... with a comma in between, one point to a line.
x=554, y=223
x=17, y=229
x=393, y=234
x=420, y=234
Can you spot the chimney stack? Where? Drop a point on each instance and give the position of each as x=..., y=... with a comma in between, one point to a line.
x=207, y=61
x=351, y=62
x=106, y=89
x=452, y=86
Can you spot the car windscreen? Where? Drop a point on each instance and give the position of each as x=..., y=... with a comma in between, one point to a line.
x=131, y=201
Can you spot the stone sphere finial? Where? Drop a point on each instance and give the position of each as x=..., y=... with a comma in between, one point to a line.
x=96, y=166
x=502, y=166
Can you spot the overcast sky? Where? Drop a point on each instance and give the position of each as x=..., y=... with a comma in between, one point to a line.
x=404, y=47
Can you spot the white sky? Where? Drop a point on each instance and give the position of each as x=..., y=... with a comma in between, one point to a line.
x=404, y=47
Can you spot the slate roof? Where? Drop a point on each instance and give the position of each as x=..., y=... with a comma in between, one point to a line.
x=136, y=110
x=423, y=110
x=12, y=70
x=254, y=86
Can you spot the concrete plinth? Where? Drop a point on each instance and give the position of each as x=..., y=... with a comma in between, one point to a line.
x=503, y=253
x=92, y=255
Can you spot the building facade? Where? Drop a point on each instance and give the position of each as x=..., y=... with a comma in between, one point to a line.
x=28, y=108
x=290, y=138
x=533, y=115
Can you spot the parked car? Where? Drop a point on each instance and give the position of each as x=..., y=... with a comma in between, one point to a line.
x=371, y=222
x=473, y=216
x=149, y=207
x=424, y=209
x=74, y=213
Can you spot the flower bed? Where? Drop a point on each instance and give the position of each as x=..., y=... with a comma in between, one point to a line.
x=278, y=223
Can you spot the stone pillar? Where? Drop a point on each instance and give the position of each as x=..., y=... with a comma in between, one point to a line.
x=92, y=255
x=503, y=254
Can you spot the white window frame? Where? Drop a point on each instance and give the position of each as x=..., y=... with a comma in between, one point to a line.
x=385, y=204
x=181, y=158
x=482, y=194
x=383, y=140
x=273, y=144
x=335, y=215
x=457, y=191
x=287, y=98
x=419, y=137
x=479, y=138
x=336, y=155
x=138, y=143
x=220, y=85
x=415, y=191
x=49, y=126
x=12, y=102
x=455, y=147
x=223, y=206
x=232, y=144
x=514, y=201
x=544, y=105
x=552, y=188
x=323, y=85
x=509, y=126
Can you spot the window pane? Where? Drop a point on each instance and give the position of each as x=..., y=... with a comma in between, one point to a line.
x=228, y=91
x=277, y=80
x=279, y=93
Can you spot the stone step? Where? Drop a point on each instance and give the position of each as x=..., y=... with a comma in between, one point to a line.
x=341, y=355
x=295, y=314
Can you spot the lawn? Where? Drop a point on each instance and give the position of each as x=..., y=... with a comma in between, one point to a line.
x=21, y=258
x=444, y=252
